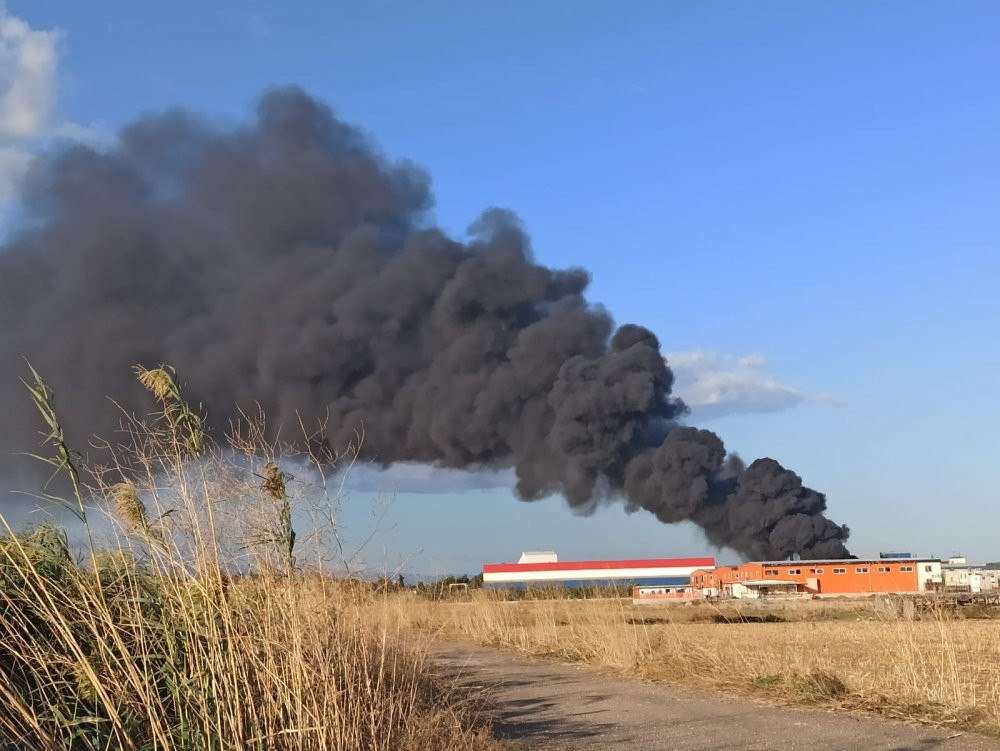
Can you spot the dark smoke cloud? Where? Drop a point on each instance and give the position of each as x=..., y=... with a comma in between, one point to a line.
x=287, y=262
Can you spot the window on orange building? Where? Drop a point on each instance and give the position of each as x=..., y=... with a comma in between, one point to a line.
x=840, y=571
x=861, y=570
x=816, y=571
x=794, y=571
x=883, y=569
x=907, y=569
x=771, y=572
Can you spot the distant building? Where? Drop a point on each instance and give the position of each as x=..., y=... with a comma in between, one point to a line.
x=962, y=576
x=657, y=572
x=684, y=579
x=825, y=577
x=653, y=594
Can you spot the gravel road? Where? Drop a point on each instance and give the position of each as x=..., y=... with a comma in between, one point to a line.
x=543, y=705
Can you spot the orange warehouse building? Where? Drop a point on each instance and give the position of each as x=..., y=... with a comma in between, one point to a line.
x=828, y=577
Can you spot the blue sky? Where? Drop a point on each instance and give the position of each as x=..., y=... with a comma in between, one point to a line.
x=800, y=199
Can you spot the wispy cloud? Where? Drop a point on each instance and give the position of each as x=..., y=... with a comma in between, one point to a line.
x=422, y=478
x=715, y=385
x=256, y=25
x=13, y=164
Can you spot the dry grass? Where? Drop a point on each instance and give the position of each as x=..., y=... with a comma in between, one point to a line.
x=942, y=670
x=193, y=627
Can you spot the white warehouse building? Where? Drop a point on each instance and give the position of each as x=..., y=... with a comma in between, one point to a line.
x=961, y=575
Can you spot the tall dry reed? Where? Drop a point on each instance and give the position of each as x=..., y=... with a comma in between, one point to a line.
x=193, y=627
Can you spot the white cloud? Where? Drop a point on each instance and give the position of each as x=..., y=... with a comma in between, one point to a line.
x=715, y=385
x=28, y=62
x=29, y=89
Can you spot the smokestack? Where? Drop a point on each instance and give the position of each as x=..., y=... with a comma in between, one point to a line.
x=286, y=261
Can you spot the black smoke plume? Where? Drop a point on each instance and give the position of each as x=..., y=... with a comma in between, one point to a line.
x=287, y=262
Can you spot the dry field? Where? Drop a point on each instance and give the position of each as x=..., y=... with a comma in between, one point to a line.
x=940, y=669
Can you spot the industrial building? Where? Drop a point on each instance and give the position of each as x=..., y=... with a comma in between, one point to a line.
x=823, y=577
x=817, y=578
x=686, y=579
x=546, y=570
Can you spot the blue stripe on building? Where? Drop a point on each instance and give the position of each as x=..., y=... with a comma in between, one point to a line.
x=652, y=581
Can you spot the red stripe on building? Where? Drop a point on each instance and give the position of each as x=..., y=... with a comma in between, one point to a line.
x=499, y=568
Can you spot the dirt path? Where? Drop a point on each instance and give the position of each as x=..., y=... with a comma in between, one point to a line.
x=553, y=706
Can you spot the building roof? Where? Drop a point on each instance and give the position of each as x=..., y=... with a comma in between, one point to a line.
x=538, y=556
x=652, y=563
x=844, y=561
